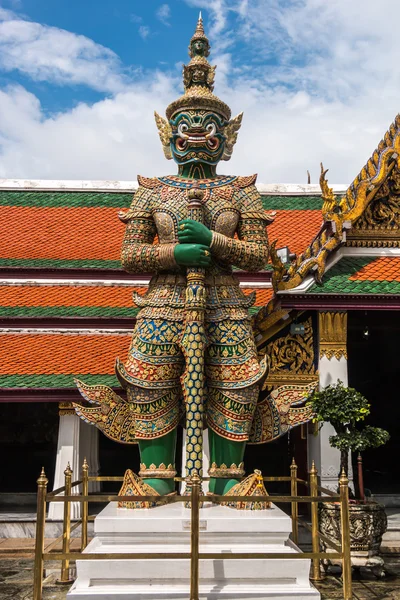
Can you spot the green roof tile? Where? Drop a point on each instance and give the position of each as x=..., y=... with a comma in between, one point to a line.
x=337, y=280
x=292, y=202
x=65, y=199
x=54, y=381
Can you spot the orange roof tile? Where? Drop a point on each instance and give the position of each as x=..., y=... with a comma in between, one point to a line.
x=53, y=354
x=101, y=296
x=62, y=295
x=62, y=233
x=385, y=268
x=263, y=296
x=96, y=232
x=295, y=228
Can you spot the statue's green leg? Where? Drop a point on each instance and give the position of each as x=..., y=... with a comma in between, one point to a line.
x=223, y=451
x=162, y=450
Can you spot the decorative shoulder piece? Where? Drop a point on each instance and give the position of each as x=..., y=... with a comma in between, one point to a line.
x=148, y=182
x=246, y=181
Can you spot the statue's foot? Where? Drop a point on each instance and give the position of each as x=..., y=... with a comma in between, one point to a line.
x=253, y=486
x=135, y=486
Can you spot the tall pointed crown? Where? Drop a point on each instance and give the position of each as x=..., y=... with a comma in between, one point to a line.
x=198, y=79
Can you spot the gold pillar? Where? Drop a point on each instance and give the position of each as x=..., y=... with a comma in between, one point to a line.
x=295, y=506
x=333, y=334
x=195, y=483
x=65, y=578
x=85, y=505
x=345, y=524
x=316, y=574
x=40, y=528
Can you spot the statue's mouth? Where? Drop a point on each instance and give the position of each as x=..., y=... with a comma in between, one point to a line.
x=191, y=138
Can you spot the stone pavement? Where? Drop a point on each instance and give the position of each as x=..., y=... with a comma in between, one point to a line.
x=16, y=576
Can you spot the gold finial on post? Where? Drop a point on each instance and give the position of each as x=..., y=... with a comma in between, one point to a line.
x=345, y=525
x=85, y=504
x=65, y=578
x=42, y=482
x=316, y=574
x=195, y=483
x=295, y=506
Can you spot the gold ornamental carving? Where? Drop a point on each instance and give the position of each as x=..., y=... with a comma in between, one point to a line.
x=65, y=408
x=293, y=353
x=379, y=225
x=333, y=334
x=292, y=359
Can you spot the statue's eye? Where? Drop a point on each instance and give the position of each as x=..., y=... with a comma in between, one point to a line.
x=211, y=128
x=182, y=127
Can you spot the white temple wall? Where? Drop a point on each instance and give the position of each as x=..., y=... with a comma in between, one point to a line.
x=76, y=441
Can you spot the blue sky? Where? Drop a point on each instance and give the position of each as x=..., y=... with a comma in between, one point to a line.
x=80, y=79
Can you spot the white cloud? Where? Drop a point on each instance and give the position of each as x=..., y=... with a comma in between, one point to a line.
x=51, y=54
x=136, y=18
x=163, y=13
x=115, y=138
x=144, y=31
x=316, y=80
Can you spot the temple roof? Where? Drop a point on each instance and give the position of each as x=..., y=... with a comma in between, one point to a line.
x=80, y=229
x=63, y=299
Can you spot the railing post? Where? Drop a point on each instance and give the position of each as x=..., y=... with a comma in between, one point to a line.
x=40, y=527
x=85, y=505
x=295, y=505
x=194, y=540
x=316, y=574
x=65, y=577
x=345, y=524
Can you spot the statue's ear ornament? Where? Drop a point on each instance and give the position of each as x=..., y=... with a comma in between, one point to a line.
x=231, y=132
x=165, y=133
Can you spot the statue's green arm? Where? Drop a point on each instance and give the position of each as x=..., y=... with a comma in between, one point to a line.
x=250, y=250
x=139, y=253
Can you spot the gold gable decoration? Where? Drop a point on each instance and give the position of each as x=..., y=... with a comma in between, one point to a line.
x=340, y=215
x=379, y=225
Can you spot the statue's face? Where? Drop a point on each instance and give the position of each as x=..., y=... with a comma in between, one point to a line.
x=199, y=48
x=197, y=137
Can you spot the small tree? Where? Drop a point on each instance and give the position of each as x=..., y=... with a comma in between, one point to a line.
x=345, y=409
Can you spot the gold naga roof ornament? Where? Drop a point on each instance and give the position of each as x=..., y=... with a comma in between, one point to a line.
x=198, y=82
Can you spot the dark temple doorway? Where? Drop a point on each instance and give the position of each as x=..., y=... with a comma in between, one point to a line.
x=373, y=363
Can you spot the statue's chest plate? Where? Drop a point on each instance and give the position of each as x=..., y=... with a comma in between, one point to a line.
x=220, y=211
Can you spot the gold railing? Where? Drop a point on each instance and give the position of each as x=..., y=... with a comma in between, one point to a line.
x=315, y=497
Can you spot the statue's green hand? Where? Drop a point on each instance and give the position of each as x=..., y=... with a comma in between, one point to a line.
x=192, y=255
x=192, y=232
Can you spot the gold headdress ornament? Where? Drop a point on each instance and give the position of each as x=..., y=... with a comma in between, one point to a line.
x=198, y=81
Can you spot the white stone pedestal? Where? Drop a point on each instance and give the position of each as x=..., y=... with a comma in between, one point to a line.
x=167, y=529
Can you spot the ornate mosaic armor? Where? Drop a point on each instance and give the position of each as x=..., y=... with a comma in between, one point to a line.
x=233, y=212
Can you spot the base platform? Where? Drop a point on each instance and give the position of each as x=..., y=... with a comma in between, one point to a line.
x=167, y=529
